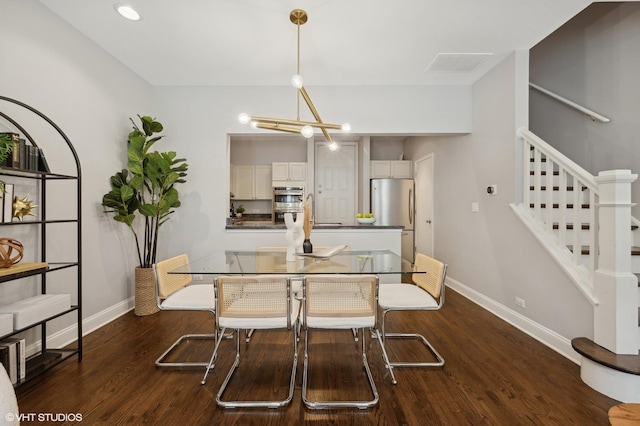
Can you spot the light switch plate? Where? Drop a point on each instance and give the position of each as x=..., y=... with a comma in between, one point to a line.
x=475, y=207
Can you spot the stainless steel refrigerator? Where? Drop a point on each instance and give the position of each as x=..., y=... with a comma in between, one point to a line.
x=392, y=203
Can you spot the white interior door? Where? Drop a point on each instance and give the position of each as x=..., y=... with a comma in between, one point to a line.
x=336, y=185
x=423, y=178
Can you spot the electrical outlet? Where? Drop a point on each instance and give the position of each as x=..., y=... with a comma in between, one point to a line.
x=520, y=302
x=197, y=277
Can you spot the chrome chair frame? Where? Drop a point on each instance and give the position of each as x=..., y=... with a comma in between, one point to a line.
x=362, y=319
x=174, y=284
x=248, y=310
x=434, y=303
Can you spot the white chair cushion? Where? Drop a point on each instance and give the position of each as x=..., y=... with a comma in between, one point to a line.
x=261, y=322
x=337, y=322
x=407, y=296
x=191, y=297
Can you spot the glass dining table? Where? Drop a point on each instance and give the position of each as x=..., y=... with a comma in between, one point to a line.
x=265, y=261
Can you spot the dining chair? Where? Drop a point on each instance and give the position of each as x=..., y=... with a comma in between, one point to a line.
x=426, y=294
x=255, y=302
x=339, y=302
x=176, y=292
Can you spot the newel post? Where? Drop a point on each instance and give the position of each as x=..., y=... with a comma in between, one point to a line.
x=616, y=287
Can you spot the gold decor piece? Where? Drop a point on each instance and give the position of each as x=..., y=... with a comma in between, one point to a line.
x=23, y=207
x=297, y=17
x=307, y=225
x=7, y=256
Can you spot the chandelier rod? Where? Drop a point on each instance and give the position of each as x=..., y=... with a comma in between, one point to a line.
x=297, y=22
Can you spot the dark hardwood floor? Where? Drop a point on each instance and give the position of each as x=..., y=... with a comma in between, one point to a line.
x=494, y=375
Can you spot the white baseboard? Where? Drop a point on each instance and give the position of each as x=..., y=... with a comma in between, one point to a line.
x=69, y=335
x=542, y=334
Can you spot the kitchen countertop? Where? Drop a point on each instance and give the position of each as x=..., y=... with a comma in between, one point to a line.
x=253, y=225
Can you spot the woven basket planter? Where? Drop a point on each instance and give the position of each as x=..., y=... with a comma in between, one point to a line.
x=145, y=299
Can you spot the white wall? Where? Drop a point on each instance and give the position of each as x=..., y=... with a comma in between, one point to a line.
x=490, y=252
x=593, y=60
x=53, y=68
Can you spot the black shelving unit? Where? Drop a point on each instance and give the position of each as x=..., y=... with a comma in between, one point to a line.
x=47, y=357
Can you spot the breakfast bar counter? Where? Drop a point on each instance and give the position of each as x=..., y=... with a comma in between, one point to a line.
x=254, y=225
x=250, y=234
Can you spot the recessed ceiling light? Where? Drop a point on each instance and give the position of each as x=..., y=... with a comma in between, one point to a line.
x=127, y=12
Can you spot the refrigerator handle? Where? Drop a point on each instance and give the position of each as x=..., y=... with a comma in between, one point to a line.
x=411, y=206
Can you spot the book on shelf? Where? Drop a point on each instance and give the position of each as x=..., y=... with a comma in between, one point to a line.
x=21, y=355
x=22, y=155
x=7, y=203
x=42, y=162
x=11, y=361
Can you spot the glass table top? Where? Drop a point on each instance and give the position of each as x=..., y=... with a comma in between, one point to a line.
x=232, y=262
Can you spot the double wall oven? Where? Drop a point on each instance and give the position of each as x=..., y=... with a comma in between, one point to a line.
x=287, y=199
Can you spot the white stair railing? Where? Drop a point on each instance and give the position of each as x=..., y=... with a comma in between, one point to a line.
x=560, y=198
x=585, y=224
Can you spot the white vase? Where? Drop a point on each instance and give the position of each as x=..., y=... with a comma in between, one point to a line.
x=294, y=236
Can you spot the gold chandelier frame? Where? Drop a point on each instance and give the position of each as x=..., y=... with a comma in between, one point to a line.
x=298, y=17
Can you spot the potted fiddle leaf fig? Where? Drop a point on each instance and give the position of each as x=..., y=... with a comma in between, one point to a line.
x=146, y=189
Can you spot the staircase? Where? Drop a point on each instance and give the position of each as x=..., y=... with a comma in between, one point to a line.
x=585, y=223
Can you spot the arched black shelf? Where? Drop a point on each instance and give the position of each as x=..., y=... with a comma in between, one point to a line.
x=45, y=358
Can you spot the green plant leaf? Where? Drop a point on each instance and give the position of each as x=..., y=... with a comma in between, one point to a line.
x=149, y=210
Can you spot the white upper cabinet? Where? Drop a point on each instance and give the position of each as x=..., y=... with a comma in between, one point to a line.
x=391, y=169
x=262, y=183
x=289, y=173
x=251, y=182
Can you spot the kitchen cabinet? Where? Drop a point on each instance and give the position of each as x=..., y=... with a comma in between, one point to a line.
x=251, y=182
x=392, y=169
x=289, y=174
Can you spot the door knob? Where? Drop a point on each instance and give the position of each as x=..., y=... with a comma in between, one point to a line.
x=429, y=221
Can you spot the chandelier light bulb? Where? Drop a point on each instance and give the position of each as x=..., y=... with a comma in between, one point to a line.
x=307, y=131
x=254, y=124
x=127, y=12
x=346, y=127
x=244, y=118
x=333, y=146
x=296, y=81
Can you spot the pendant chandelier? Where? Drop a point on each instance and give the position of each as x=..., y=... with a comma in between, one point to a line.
x=306, y=128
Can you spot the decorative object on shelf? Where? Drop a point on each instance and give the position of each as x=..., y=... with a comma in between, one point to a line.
x=297, y=17
x=239, y=210
x=6, y=147
x=294, y=236
x=7, y=255
x=307, y=247
x=7, y=141
x=23, y=207
x=146, y=187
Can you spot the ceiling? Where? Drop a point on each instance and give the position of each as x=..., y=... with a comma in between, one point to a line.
x=344, y=42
